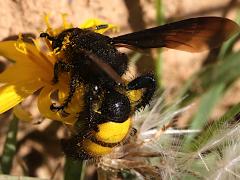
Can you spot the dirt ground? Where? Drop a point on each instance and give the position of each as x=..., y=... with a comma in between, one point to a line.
x=130, y=15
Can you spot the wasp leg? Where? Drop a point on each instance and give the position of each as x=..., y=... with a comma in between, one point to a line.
x=147, y=82
x=101, y=26
x=74, y=83
x=60, y=66
x=98, y=27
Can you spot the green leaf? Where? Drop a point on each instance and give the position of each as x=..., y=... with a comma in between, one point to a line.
x=9, y=149
x=227, y=46
x=159, y=61
x=215, y=80
x=208, y=101
x=226, y=72
x=73, y=169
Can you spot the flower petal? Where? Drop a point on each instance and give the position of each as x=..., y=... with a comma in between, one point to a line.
x=95, y=22
x=20, y=72
x=9, y=50
x=66, y=24
x=44, y=103
x=13, y=94
x=26, y=66
x=77, y=103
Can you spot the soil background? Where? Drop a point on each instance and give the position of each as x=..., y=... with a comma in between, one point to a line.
x=26, y=16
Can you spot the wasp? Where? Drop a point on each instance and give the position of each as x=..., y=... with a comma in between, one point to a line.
x=93, y=60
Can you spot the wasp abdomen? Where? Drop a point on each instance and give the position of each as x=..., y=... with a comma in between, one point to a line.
x=99, y=143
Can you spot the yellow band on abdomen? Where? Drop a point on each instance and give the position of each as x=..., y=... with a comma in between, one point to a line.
x=111, y=132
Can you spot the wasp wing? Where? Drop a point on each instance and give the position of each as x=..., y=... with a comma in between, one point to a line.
x=193, y=35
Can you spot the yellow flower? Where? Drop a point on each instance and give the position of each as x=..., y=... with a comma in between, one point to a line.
x=32, y=70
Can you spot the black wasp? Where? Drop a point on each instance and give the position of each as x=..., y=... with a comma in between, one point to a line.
x=92, y=59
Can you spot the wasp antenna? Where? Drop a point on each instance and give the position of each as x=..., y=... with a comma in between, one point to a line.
x=46, y=35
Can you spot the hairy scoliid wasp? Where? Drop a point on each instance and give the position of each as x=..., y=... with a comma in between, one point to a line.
x=93, y=60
